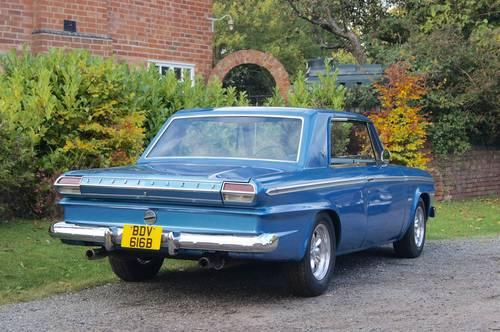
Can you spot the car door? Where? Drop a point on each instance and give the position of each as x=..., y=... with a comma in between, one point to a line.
x=386, y=198
x=348, y=165
x=382, y=189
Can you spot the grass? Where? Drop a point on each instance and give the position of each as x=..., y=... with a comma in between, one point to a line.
x=474, y=217
x=33, y=265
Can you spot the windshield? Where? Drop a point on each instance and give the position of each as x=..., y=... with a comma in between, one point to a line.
x=242, y=137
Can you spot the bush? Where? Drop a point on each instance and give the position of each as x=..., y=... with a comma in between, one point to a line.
x=16, y=168
x=70, y=110
x=401, y=127
x=462, y=77
x=448, y=133
x=161, y=96
x=361, y=98
x=325, y=94
x=76, y=108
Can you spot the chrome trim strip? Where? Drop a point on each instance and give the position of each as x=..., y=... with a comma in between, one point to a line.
x=314, y=185
x=221, y=158
x=172, y=198
x=420, y=178
x=388, y=178
x=385, y=178
x=173, y=118
x=110, y=182
x=110, y=237
x=341, y=182
x=146, y=179
x=216, y=190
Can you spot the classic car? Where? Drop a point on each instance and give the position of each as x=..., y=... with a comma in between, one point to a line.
x=291, y=185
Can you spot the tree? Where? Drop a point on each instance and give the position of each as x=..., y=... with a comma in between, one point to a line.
x=345, y=19
x=457, y=45
x=400, y=124
x=269, y=26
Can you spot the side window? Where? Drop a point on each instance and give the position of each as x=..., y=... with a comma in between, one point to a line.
x=350, y=143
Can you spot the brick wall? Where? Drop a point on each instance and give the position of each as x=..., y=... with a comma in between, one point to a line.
x=133, y=30
x=474, y=174
x=16, y=23
x=163, y=30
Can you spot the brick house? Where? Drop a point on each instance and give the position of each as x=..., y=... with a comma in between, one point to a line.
x=171, y=34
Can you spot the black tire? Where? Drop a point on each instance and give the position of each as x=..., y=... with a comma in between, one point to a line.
x=301, y=279
x=134, y=268
x=407, y=246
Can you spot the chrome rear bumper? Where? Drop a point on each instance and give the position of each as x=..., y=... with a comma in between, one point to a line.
x=110, y=237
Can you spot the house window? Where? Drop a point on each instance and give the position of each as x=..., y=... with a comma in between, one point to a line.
x=181, y=70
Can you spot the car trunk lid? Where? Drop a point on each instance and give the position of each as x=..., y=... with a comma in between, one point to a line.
x=196, y=184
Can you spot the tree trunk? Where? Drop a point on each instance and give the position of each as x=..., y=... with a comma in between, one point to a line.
x=355, y=48
x=329, y=23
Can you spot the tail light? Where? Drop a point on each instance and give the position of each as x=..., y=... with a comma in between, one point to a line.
x=68, y=185
x=235, y=192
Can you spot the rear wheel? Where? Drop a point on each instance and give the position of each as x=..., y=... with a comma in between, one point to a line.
x=311, y=276
x=134, y=268
x=412, y=243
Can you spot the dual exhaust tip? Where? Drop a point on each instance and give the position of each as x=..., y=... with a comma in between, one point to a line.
x=206, y=262
x=98, y=253
x=212, y=262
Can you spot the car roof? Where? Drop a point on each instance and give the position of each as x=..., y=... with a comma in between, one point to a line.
x=267, y=110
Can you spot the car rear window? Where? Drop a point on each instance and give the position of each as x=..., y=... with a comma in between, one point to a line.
x=240, y=137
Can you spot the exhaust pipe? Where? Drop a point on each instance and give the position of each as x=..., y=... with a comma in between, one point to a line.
x=97, y=253
x=205, y=263
x=216, y=262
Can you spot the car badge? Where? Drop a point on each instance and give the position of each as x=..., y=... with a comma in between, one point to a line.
x=150, y=217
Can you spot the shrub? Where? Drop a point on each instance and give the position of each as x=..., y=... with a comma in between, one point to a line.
x=326, y=94
x=161, y=96
x=401, y=127
x=448, y=133
x=300, y=94
x=70, y=110
x=276, y=99
x=76, y=108
x=361, y=98
x=16, y=168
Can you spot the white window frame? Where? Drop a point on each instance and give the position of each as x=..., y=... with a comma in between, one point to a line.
x=174, y=65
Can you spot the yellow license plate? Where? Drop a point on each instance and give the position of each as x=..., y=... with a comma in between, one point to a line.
x=141, y=237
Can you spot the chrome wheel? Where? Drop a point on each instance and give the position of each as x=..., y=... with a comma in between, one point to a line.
x=320, y=251
x=419, y=227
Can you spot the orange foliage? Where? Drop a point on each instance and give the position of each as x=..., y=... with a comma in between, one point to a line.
x=400, y=124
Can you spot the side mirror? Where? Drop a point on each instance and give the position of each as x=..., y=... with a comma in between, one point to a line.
x=385, y=156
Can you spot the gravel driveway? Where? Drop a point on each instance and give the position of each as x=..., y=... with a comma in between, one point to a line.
x=455, y=285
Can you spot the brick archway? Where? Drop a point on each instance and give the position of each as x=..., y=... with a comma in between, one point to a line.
x=259, y=58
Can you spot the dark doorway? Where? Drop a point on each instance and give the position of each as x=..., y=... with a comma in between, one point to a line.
x=255, y=80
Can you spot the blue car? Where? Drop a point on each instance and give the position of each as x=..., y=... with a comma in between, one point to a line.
x=298, y=186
